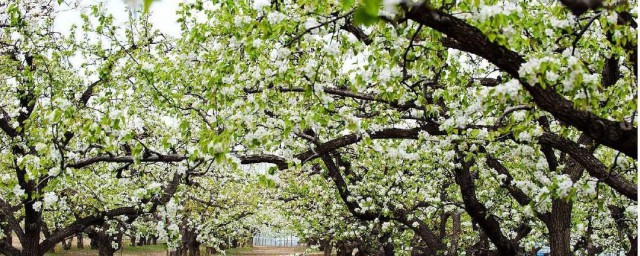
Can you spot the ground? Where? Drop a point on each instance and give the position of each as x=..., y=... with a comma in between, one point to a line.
x=159, y=250
x=266, y=250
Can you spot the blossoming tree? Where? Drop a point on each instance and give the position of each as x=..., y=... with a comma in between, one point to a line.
x=82, y=143
x=392, y=127
x=510, y=109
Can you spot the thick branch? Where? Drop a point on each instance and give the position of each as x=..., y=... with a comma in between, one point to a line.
x=595, y=168
x=478, y=211
x=98, y=219
x=7, y=249
x=86, y=95
x=618, y=135
x=81, y=224
x=14, y=224
x=5, y=124
x=281, y=162
x=332, y=145
x=522, y=198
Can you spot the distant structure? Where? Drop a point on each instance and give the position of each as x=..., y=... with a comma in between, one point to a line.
x=275, y=239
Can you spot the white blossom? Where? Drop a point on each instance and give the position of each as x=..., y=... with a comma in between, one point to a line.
x=50, y=198
x=19, y=192
x=37, y=206
x=275, y=17
x=260, y=4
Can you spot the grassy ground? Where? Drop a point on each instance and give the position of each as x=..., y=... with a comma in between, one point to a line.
x=155, y=250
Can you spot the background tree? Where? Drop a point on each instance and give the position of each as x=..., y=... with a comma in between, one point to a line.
x=452, y=73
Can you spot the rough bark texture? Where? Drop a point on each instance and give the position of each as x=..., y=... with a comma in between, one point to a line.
x=560, y=228
x=455, y=234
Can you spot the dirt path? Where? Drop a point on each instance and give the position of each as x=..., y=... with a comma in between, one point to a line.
x=275, y=251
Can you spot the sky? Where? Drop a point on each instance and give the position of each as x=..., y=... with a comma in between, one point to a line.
x=163, y=15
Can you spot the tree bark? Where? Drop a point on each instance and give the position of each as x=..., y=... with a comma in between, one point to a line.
x=66, y=244
x=326, y=247
x=455, y=234
x=387, y=246
x=344, y=249
x=132, y=240
x=633, y=251
x=103, y=242
x=80, y=242
x=8, y=235
x=479, y=212
x=32, y=230
x=560, y=228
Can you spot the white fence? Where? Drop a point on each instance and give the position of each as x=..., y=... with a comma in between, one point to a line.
x=275, y=240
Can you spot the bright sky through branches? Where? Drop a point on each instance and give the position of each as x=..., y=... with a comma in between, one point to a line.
x=163, y=15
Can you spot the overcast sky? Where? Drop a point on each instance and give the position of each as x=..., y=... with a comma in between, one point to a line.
x=163, y=15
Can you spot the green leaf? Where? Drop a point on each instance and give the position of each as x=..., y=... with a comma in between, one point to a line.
x=372, y=7
x=147, y=4
x=347, y=4
x=361, y=16
x=272, y=170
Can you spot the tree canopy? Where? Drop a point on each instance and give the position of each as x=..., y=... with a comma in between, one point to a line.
x=390, y=127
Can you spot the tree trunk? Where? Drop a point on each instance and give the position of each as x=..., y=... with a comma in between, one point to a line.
x=326, y=247
x=94, y=243
x=633, y=251
x=194, y=248
x=66, y=244
x=344, y=249
x=32, y=230
x=104, y=242
x=560, y=228
x=80, y=242
x=455, y=234
x=132, y=240
x=104, y=245
x=8, y=235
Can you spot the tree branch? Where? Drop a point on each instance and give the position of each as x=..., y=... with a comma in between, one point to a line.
x=478, y=211
x=5, y=124
x=14, y=224
x=332, y=145
x=127, y=159
x=618, y=135
x=592, y=164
